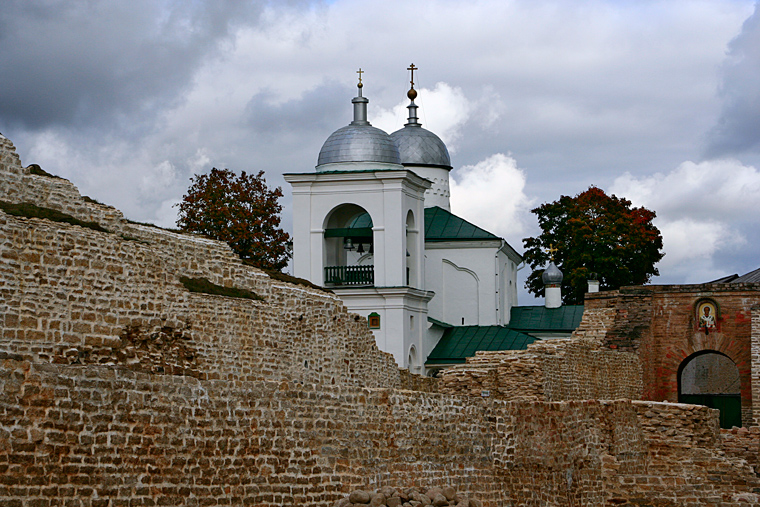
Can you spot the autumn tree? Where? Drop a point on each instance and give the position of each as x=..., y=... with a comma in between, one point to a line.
x=240, y=210
x=596, y=236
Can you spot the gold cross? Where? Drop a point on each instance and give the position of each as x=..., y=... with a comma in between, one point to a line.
x=360, y=72
x=551, y=251
x=412, y=68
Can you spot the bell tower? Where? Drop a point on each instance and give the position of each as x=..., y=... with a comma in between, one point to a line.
x=357, y=230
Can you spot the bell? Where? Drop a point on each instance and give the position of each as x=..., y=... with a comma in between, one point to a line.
x=360, y=249
x=348, y=244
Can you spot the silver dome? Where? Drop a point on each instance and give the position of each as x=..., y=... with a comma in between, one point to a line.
x=417, y=146
x=552, y=275
x=359, y=143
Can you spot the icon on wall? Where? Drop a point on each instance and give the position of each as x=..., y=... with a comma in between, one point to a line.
x=373, y=320
x=707, y=313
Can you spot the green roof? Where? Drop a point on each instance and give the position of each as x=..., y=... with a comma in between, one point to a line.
x=458, y=343
x=439, y=323
x=540, y=318
x=441, y=225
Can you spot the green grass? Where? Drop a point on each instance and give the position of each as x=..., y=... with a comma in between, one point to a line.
x=39, y=171
x=202, y=285
x=87, y=198
x=283, y=277
x=29, y=210
x=170, y=229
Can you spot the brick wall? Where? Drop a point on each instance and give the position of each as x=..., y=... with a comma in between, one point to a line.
x=550, y=370
x=121, y=388
x=658, y=323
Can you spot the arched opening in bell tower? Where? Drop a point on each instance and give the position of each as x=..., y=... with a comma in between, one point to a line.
x=711, y=378
x=348, y=247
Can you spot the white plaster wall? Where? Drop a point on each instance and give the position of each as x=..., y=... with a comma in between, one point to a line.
x=460, y=273
x=439, y=193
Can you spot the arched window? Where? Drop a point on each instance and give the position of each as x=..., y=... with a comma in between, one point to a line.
x=411, y=250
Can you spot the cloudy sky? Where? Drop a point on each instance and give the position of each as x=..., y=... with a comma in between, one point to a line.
x=658, y=102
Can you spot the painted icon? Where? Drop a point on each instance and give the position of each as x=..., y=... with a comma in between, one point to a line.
x=706, y=312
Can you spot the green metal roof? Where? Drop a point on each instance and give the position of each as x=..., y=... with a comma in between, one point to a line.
x=441, y=225
x=458, y=343
x=540, y=318
x=439, y=323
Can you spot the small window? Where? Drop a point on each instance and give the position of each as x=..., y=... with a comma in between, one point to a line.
x=373, y=320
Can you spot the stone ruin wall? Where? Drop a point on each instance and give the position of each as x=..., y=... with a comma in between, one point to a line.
x=119, y=387
x=75, y=295
x=550, y=370
x=102, y=436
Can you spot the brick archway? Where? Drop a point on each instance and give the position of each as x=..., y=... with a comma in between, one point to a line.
x=712, y=379
x=676, y=353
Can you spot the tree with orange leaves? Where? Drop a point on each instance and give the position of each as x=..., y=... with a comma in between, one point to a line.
x=240, y=210
x=596, y=236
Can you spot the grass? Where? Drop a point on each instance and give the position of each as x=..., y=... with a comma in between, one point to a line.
x=170, y=229
x=202, y=285
x=29, y=210
x=283, y=277
x=39, y=171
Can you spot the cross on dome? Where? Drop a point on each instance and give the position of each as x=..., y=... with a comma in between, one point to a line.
x=412, y=93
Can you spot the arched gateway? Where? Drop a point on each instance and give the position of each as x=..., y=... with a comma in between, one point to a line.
x=711, y=378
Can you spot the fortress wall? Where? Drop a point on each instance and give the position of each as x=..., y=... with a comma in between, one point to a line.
x=18, y=185
x=88, y=435
x=69, y=294
x=77, y=296
x=549, y=370
x=119, y=387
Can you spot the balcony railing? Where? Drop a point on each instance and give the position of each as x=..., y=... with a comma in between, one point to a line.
x=350, y=275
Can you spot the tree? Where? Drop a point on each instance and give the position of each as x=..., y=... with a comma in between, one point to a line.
x=240, y=210
x=596, y=236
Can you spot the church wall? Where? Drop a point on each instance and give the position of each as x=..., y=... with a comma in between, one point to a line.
x=464, y=280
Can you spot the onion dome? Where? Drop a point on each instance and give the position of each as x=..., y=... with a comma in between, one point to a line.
x=358, y=141
x=552, y=275
x=417, y=146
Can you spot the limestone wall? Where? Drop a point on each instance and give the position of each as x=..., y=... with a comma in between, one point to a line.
x=100, y=435
x=550, y=370
x=73, y=295
x=119, y=387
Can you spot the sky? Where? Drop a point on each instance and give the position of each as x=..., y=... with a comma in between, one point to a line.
x=657, y=102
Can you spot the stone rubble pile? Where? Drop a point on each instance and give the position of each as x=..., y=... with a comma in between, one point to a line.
x=410, y=497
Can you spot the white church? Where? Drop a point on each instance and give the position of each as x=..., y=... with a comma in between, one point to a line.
x=373, y=224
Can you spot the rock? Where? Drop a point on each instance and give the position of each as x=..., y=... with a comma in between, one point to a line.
x=449, y=492
x=393, y=501
x=475, y=503
x=432, y=492
x=377, y=500
x=388, y=491
x=343, y=502
x=359, y=496
x=440, y=501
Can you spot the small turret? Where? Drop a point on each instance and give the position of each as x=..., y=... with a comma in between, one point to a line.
x=552, y=278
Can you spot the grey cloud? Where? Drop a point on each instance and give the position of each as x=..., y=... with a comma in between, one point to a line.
x=85, y=64
x=321, y=109
x=738, y=128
